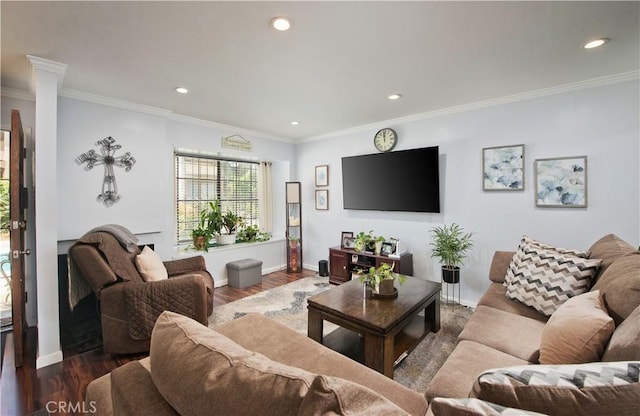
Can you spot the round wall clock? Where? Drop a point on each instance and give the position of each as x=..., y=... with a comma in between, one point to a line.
x=385, y=140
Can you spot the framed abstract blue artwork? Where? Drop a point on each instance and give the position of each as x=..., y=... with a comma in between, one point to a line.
x=561, y=182
x=503, y=168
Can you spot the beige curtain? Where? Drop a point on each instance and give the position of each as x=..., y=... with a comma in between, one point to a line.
x=265, y=197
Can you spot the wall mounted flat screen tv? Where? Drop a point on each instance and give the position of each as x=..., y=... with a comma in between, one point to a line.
x=406, y=180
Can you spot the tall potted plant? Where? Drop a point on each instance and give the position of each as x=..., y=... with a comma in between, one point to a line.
x=450, y=245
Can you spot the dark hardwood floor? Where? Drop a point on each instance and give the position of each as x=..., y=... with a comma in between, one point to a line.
x=26, y=390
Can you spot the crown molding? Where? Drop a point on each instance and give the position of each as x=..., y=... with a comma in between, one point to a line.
x=17, y=94
x=493, y=102
x=162, y=112
x=47, y=65
x=113, y=102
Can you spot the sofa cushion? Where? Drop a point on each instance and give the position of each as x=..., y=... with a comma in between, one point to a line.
x=474, y=407
x=620, y=286
x=509, y=333
x=545, y=279
x=531, y=245
x=133, y=392
x=456, y=376
x=258, y=333
x=495, y=297
x=609, y=248
x=577, y=332
x=150, y=266
x=196, y=368
x=625, y=342
x=585, y=389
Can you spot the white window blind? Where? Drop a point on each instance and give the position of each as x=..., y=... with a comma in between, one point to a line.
x=202, y=179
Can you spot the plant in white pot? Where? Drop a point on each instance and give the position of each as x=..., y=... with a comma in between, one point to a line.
x=450, y=245
x=230, y=223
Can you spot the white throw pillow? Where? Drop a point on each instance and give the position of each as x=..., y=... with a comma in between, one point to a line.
x=150, y=266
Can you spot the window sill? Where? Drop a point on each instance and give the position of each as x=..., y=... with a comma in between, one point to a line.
x=188, y=247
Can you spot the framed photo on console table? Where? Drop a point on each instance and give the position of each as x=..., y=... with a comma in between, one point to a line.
x=561, y=182
x=345, y=235
x=387, y=248
x=349, y=242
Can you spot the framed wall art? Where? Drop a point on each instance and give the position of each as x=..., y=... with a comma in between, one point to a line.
x=322, y=199
x=503, y=168
x=561, y=182
x=322, y=175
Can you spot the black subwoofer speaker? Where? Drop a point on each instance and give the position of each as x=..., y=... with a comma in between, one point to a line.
x=323, y=268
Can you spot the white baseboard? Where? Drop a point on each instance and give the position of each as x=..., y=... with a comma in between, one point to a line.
x=49, y=359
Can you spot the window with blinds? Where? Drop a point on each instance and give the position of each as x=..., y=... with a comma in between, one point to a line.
x=202, y=179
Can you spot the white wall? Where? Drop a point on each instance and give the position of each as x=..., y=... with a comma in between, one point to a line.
x=147, y=191
x=600, y=122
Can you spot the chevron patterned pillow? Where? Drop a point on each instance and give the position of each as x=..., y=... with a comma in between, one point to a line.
x=519, y=255
x=474, y=407
x=600, y=388
x=545, y=279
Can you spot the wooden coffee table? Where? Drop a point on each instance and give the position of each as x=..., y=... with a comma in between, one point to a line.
x=390, y=328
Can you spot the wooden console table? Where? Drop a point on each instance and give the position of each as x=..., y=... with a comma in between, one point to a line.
x=345, y=261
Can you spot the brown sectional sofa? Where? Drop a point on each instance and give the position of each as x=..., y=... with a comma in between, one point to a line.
x=503, y=333
x=135, y=388
x=500, y=333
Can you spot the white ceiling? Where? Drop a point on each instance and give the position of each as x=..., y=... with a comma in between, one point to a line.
x=332, y=71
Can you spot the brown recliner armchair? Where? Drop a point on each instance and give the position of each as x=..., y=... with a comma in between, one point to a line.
x=129, y=306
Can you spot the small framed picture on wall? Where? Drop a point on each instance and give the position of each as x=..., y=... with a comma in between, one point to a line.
x=322, y=199
x=322, y=175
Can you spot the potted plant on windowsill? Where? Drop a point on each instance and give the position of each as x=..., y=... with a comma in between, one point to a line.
x=381, y=279
x=201, y=238
x=230, y=223
x=450, y=245
x=208, y=226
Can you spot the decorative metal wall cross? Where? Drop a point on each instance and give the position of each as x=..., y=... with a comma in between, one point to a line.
x=109, y=195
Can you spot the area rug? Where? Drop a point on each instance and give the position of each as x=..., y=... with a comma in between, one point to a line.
x=287, y=304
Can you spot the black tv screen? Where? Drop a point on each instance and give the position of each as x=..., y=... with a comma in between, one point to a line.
x=405, y=180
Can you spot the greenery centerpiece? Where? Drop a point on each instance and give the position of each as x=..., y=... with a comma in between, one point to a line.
x=450, y=245
x=381, y=279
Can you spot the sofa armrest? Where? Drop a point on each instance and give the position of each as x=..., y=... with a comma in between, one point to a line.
x=140, y=304
x=499, y=265
x=186, y=265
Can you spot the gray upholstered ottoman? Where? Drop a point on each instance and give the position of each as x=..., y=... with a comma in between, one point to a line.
x=245, y=272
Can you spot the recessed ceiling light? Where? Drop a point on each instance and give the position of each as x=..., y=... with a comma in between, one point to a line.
x=295, y=123
x=394, y=96
x=281, y=23
x=596, y=43
x=181, y=90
